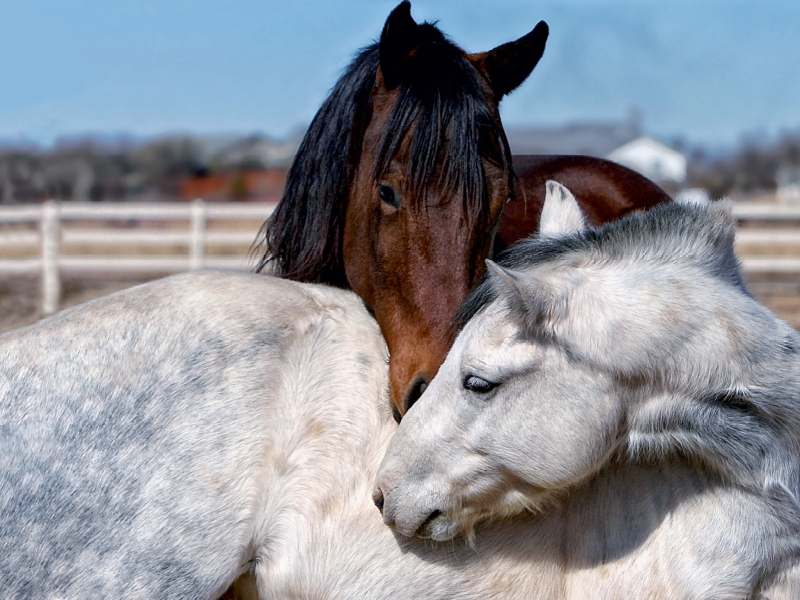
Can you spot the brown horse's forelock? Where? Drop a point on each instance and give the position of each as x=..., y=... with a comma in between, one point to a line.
x=442, y=105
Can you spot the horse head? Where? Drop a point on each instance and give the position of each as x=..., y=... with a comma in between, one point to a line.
x=632, y=344
x=503, y=362
x=399, y=184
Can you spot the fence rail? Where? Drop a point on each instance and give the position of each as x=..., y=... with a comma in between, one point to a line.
x=763, y=211
x=769, y=241
x=130, y=225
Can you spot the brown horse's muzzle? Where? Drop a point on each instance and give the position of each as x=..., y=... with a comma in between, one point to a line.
x=413, y=364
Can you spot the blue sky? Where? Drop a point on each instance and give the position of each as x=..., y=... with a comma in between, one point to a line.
x=705, y=69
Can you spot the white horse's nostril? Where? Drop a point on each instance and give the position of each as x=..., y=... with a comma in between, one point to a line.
x=377, y=498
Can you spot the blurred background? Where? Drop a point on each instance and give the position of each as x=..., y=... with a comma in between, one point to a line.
x=163, y=102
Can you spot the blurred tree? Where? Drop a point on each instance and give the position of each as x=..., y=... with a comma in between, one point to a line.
x=749, y=169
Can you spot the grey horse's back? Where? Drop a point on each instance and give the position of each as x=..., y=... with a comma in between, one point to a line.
x=128, y=422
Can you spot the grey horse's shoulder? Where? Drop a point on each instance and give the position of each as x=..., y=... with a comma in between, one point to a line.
x=183, y=375
x=211, y=296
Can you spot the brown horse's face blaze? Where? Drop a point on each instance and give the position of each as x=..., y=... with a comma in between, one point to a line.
x=414, y=262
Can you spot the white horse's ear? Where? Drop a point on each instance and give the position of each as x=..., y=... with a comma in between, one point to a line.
x=560, y=214
x=536, y=302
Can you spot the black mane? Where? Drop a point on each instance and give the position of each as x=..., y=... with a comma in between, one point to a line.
x=304, y=234
x=442, y=99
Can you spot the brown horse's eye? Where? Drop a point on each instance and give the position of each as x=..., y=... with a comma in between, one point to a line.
x=388, y=195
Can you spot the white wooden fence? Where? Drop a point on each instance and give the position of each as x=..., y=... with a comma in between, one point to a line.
x=770, y=243
x=770, y=240
x=52, y=236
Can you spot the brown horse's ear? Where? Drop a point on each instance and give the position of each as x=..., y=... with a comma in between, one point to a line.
x=399, y=38
x=507, y=66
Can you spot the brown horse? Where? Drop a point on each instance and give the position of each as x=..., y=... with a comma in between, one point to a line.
x=399, y=184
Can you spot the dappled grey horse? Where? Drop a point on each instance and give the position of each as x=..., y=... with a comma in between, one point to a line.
x=158, y=442
x=623, y=385
x=167, y=440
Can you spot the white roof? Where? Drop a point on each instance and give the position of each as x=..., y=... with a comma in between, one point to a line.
x=652, y=159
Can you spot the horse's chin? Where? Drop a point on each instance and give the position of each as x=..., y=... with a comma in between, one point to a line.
x=446, y=526
x=440, y=529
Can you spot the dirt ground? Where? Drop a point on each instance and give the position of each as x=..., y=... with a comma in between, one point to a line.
x=780, y=293
x=20, y=299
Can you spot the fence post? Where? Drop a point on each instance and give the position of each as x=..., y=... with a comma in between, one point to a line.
x=50, y=233
x=197, y=241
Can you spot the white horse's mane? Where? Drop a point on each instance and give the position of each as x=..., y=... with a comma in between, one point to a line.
x=674, y=233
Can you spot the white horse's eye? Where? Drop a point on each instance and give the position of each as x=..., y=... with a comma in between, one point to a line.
x=476, y=384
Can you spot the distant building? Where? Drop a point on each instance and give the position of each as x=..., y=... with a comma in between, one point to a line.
x=258, y=152
x=264, y=185
x=788, y=180
x=244, y=168
x=596, y=139
x=697, y=196
x=652, y=159
x=590, y=139
x=621, y=142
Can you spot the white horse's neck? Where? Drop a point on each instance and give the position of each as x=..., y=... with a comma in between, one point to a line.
x=629, y=521
x=631, y=532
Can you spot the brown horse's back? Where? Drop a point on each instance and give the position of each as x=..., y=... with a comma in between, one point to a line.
x=604, y=190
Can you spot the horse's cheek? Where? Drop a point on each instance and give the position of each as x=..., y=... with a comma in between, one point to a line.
x=359, y=255
x=552, y=435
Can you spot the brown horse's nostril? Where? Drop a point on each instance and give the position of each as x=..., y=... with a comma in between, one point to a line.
x=415, y=391
x=377, y=498
x=396, y=413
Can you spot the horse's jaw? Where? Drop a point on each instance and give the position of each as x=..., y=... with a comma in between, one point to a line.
x=422, y=511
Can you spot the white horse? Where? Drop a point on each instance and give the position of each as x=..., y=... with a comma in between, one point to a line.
x=623, y=385
x=166, y=440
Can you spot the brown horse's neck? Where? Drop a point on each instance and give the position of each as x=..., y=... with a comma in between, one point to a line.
x=605, y=191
